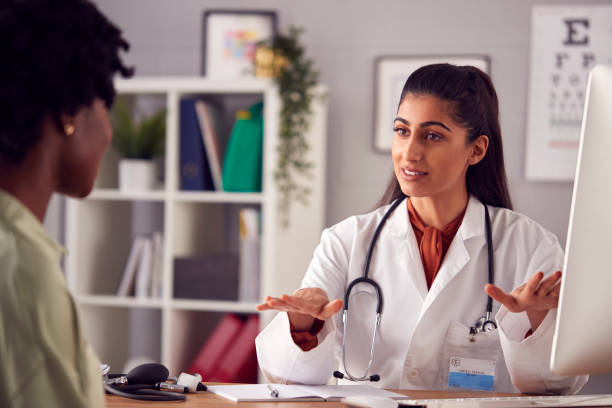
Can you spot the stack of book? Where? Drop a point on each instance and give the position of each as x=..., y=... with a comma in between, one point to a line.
x=228, y=355
x=142, y=275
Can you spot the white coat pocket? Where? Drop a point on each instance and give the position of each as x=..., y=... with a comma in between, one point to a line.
x=469, y=362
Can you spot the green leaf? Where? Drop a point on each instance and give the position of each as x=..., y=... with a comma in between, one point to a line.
x=144, y=140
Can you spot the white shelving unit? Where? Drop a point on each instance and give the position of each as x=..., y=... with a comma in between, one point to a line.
x=99, y=230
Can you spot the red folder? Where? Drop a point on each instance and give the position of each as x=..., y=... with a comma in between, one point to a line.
x=239, y=363
x=216, y=347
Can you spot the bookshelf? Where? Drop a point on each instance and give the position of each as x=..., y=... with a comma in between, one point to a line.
x=100, y=230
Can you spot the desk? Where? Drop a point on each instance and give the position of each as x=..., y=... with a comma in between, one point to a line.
x=208, y=399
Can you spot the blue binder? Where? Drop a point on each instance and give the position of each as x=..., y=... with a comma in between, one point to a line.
x=195, y=171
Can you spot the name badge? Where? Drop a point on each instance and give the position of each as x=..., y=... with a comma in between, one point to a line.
x=471, y=373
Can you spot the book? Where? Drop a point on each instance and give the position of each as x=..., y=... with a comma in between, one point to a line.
x=157, y=269
x=262, y=392
x=216, y=346
x=248, y=282
x=129, y=273
x=208, y=129
x=195, y=171
x=143, y=278
x=239, y=362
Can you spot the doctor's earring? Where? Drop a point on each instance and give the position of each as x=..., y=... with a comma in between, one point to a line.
x=69, y=129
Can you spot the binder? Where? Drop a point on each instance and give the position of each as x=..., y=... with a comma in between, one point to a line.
x=216, y=346
x=195, y=170
x=243, y=156
x=239, y=362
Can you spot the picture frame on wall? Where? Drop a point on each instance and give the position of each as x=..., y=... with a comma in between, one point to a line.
x=390, y=74
x=229, y=38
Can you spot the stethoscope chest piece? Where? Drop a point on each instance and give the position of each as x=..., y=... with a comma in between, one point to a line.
x=485, y=325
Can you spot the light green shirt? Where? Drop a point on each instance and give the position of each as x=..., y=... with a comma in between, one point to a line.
x=44, y=360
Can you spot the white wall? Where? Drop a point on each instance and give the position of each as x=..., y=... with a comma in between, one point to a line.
x=344, y=37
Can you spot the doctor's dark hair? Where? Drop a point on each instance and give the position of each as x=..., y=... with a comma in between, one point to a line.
x=56, y=57
x=474, y=105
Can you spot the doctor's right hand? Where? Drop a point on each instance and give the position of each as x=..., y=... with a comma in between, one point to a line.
x=304, y=306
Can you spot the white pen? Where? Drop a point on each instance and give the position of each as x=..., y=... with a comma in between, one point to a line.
x=273, y=391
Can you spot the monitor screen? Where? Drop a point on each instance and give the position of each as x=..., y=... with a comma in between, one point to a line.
x=583, y=335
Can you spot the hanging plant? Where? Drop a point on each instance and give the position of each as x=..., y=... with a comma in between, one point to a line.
x=283, y=59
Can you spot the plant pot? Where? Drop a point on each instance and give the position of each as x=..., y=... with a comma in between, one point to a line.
x=136, y=175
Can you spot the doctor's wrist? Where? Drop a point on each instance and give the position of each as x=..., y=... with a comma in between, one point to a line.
x=300, y=321
x=536, y=317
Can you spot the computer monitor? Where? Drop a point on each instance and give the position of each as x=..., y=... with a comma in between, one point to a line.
x=583, y=335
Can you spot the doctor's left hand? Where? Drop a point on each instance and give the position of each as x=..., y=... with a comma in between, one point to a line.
x=535, y=297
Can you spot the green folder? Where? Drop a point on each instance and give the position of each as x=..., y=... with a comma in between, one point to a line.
x=243, y=156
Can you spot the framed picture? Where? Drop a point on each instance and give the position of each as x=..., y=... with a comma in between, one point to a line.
x=391, y=73
x=229, y=38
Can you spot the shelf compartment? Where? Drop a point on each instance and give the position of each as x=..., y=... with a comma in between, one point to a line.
x=120, y=334
x=224, y=110
x=207, y=250
x=141, y=105
x=190, y=330
x=202, y=228
x=100, y=238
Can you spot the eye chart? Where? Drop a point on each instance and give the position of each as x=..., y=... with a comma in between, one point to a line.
x=566, y=43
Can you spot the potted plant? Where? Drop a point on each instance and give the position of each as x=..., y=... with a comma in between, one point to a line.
x=139, y=143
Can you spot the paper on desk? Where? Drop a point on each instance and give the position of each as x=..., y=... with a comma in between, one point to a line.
x=349, y=390
x=261, y=392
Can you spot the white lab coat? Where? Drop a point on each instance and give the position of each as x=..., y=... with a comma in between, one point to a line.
x=421, y=329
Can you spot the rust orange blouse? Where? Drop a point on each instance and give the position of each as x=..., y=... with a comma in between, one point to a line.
x=433, y=245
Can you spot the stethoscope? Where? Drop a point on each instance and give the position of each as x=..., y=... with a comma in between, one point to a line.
x=483, y=324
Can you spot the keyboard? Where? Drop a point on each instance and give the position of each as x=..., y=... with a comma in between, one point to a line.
x=513, y=402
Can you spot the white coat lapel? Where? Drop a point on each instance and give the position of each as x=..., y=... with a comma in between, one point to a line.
x=457, y=256
x=408, y=257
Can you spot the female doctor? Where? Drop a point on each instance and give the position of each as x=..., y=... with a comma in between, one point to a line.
x=430, y=262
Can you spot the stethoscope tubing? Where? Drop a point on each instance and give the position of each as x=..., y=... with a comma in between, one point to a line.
x=365, y=279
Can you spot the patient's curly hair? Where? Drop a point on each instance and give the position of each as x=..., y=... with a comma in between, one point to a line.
x=56, y=56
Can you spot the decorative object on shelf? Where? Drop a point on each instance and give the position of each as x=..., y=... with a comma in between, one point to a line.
x=230, y=38
x=138, y=144
x=390, y=73
x=283, y=58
